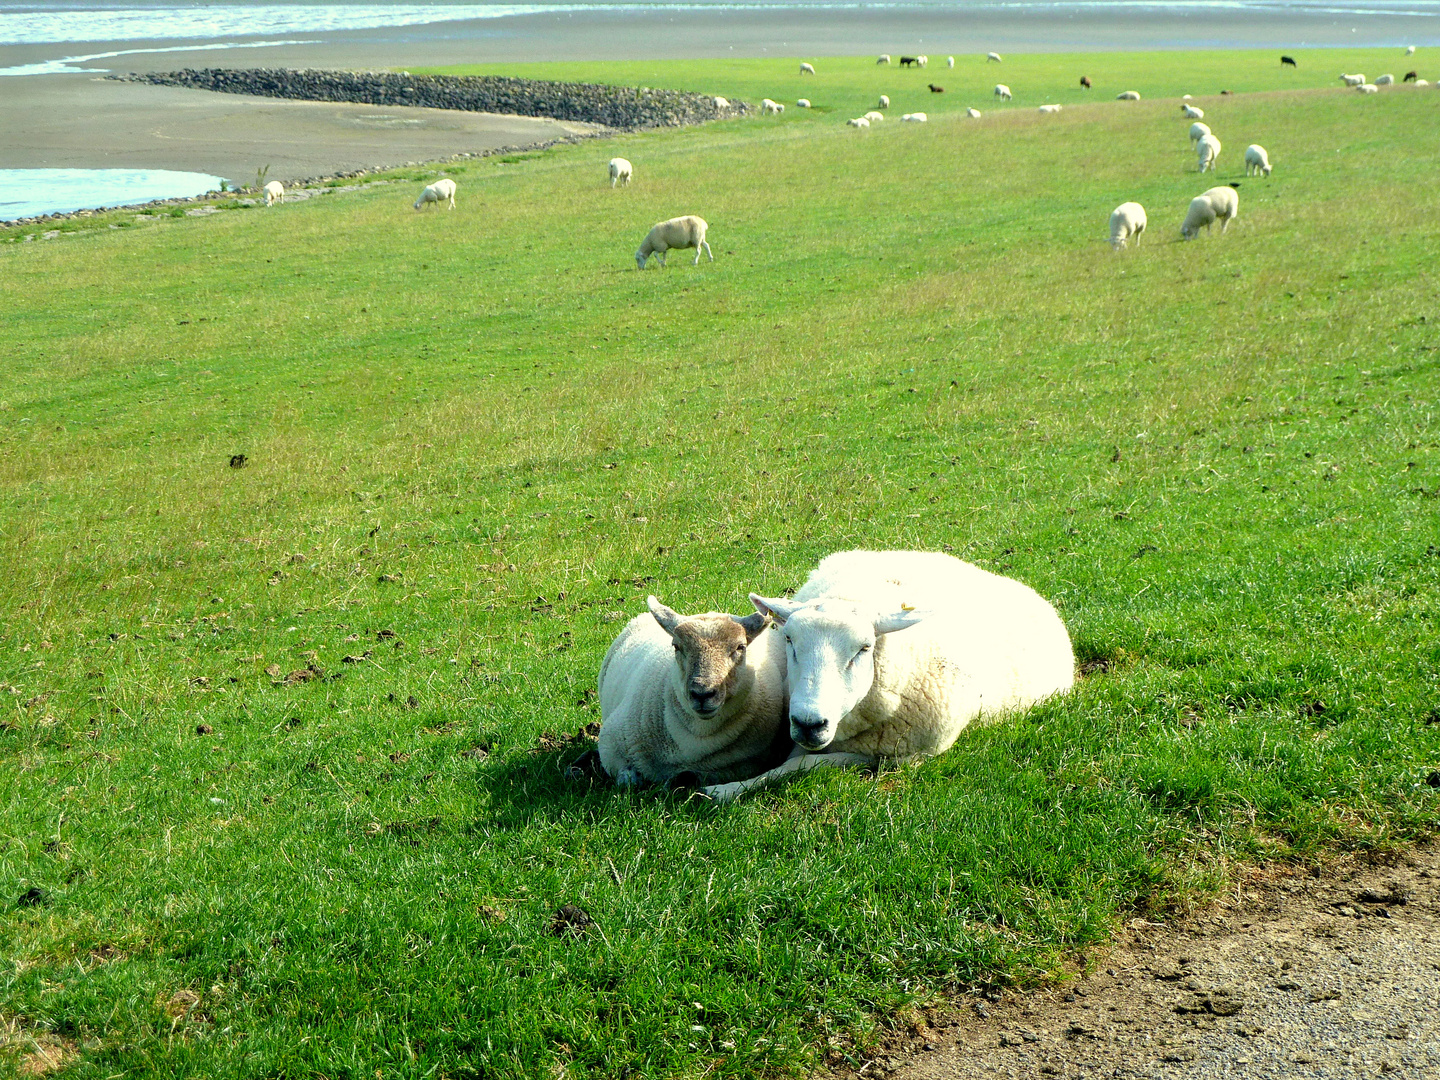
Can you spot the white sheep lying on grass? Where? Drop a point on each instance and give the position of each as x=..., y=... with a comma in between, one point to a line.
x=1368, y=88
x=1198, y=132
x=872, y=676
x=1126, y=221
x=1128, y=95
x=1208, y=152
x=1385, y=80
x=438, y=192
x=1190, y=112
x=620, y=171
x=1050, y=108
x=703, y=694
x=916, y=118
x=1354, y=80
x=768, y=106
x=804, y=103
x=722, y=103
x=274, y=192
x=973, y=114
x=874, y=116
x=858, y=122
x=1256, y=160
x=1218, y=202
x=1002, y=91
x=680, y=232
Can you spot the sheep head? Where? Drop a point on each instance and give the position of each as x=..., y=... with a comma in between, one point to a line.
x=830, y=651
x=709, y=655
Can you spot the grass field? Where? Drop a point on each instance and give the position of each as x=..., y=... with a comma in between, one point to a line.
x=282, y=759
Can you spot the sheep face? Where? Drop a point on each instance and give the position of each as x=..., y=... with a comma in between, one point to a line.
x=709, y=655
x=830, y=650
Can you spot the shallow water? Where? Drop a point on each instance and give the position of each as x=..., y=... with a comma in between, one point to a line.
x=29, y=192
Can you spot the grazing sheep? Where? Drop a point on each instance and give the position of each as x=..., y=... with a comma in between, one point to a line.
x=681, y=232
x=1385, y=80
x=935, y=89
x=803, y=102
x=922, y=60
x=1218, y=202
x=620, y=171
x=916, y=118
x=1368, y=88
x=1084, y=82
x=1354, y=80
x=1198, y=132
x=768, y=106
x=702, y=694
x=1128, y=95
x=1226, y=93
x=1002, y=91
x=859, y=122
x=1287, y=61
x=992, y=57
x=274, y=192
x=438, y=192
x=883, y=59
x=973, y=114
x=884, y=102
x=1256, y=160
x=949, y=61
x=1049, y=109
x=1409, y=50
x=1190, y=112
x=873, y=116
x=1208, y=151
x=806, y=69
x=871, y=676
x=1126, y=220
x=1410, y=76
x=722, y=103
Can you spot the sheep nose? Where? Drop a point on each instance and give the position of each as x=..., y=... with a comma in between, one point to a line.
x=808, y=733
x=705, y=699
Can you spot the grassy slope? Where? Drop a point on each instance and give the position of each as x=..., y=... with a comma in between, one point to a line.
x=1218, y=457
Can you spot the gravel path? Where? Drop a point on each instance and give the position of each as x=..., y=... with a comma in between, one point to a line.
x=1293, y=977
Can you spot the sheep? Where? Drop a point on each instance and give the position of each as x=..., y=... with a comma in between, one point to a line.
x=883, y=59
x=870, y=676
x=1409, y=50
x=922, y=60
x=1354, y=80
x=1128, y=95
x=1002, y=91
x=909, y=61
x=274, y=192
x=859, y=122
x=873, y=116
x=949, y=61
x=438, y=192
x=1207, y=150
x=1368, y=88
x=1256, y=160
x=1046, y=109
x=884, y=102
x=722, y=103
x=1126, y=220
x=620, y=171
x=1186, y=97
x=1288, y=61
x=702, y=694
x=1084, y=82
x=1422, y=82
x=680, y=232
x=803, y=102
x=993, y=57
x=916, y=118
x=768, y=106
x=1411, y=76
x=935, y=89
x=806, y=69
x=1198, y=132
x=973, y=114
x=1218, y=202
x=1385, y=80
x=1190, y=112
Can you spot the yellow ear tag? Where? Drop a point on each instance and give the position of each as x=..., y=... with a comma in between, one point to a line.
x=907, y=607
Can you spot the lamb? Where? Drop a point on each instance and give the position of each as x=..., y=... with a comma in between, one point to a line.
x=992, y=57
x=438, y=192
x=803, y=102
x=1208, y=150
x=873, y=116
x=806, y=69
x=703, y=694
x=620, y=171
x=274, y=192
x=1353, y=80
x=1288, y=61
x=679, y=233
x=1128, y=95
x=973, y=114
x=1191, y=112
x=884, y=102
x=768, y=106
x=950, y=61
x=1256, y=159
x=883, y=59
x=935, y=89
x=1045, y=109
x=1368, y=88
x=1385, y=80
x=922, y=60
x=1126, y=220
x=916, y=118
x=1218, y=202
x=871, y=676
x=1002, y=91
x=1084, y=82
x=859, y=122
x=1411, y=76
x=722, y=103
x=1198, y=132
x=909, y=61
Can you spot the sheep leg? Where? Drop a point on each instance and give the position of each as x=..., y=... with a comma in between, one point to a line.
x=706, y=246
x=798, y=762
x=661, y=256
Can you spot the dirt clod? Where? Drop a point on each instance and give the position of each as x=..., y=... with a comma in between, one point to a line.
x=570, y=921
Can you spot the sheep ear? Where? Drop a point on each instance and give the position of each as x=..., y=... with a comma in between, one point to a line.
x=668, y=618
x=752, y=625
x=777, y=609
x=889, y=623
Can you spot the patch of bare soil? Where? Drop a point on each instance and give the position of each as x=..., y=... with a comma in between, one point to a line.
x=1292, y=976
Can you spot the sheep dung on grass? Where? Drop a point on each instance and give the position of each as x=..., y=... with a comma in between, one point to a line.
x=871, y=676
x=679, y=233
x=274, y=192
x=703, y=694
x=620, y=171
x=1218, y=202
x=1256, y=160
x=1127, y=221
x=438, y=192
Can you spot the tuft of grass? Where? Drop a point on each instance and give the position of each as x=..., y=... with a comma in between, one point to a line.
x=284, y=735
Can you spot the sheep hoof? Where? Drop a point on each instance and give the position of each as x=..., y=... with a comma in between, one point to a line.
x=586, y=767
x=684, y=781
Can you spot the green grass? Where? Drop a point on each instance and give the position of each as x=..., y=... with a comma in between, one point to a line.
x=483, y=433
